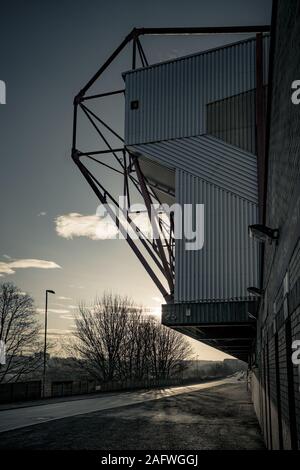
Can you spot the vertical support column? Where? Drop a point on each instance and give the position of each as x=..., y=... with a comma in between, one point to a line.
x=134, y=54
x=260, y=121
x=126, y=185
x=265, y=396
x=291, y=391
x=260, y=140
x=268, y=392
x=278, y=392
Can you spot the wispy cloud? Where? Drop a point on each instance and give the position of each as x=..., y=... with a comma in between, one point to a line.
x=98, y=227
x=34, y=263
x=5, y=269
x=71, y=307
x=42, y=214
x=60, y=332
x=10, y=266
x=91, y=226
x=67, y=317
x=61, y=297
x=6, y=256
x=53, y=310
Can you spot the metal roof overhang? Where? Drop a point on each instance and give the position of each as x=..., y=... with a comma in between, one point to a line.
x=206, y=157
x=160, y=178
x=226, y=326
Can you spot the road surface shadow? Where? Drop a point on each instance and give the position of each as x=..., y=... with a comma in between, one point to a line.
x=211, y=419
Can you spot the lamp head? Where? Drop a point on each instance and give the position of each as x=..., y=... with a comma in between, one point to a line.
x=263, y=233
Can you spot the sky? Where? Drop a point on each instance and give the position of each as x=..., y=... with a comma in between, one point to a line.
x=48, y=51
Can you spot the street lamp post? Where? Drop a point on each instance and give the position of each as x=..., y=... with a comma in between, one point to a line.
x=45, y=343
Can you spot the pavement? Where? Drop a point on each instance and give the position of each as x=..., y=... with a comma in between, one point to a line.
x=20, y=417
x=213, y=416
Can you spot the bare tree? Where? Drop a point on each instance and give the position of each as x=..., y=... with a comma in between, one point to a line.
x=19, y=330
x=116, y=341
x=169, y=350
x=100, y=333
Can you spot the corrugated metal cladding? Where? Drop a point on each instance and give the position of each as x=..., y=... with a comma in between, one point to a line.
x=294, y=267
x=234, y=119
x=207, y=313
x=209, y=158
x=173, y=96
x=228, y=262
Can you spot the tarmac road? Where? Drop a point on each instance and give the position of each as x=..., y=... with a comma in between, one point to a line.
x=211, y=416
x=32, y=415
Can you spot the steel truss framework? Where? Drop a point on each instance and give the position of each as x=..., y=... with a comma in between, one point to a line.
x=156, y=255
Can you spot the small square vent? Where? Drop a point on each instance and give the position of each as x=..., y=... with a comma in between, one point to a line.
x=134, y=104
